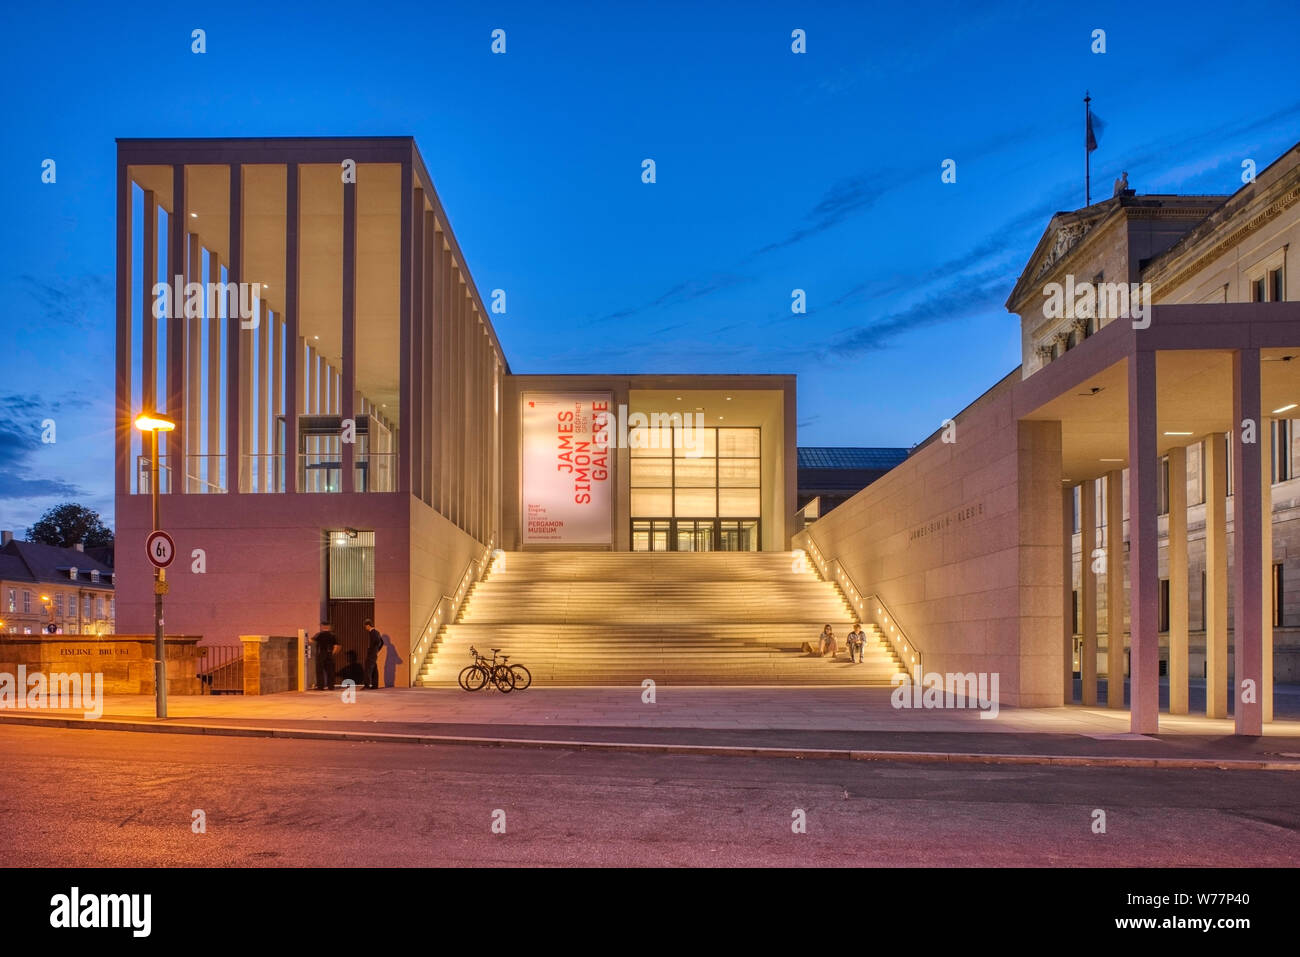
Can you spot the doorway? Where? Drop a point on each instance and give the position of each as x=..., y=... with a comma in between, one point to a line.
x=695, y=535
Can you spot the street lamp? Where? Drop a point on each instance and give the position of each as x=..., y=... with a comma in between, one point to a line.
x=153, y=423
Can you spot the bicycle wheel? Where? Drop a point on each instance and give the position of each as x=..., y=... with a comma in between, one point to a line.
x=523, y=677
x=473, y=677
x=503, y=679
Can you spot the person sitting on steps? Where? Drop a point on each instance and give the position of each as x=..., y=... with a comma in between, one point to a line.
x=857, y=643
x=827, y=641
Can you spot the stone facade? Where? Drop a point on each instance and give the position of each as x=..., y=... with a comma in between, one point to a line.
x=272, y=664
x=126, y=661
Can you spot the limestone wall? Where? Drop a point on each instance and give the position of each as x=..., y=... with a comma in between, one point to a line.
x=126, y=661
x=963, y=542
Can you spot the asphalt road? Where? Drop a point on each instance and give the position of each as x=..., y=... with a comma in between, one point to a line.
x=99, y=798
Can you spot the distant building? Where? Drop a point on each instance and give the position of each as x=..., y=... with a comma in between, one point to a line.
x=43, y=585
x=1123, y=507
x=837, y=474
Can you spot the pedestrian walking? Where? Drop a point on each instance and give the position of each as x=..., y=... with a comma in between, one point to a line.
x=325, y=643
x=374, y=645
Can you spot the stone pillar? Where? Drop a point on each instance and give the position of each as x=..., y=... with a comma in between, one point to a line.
x=348, y=372
x=1266, y=560
x=1115, y=588
x=1216, y=577
x=1178, y=580
x=1088, y=591
x=193, y=374
x=212, y=415
x=1144, y=562
x=293, y=343
x=1037, y=681
x=1247, y=528
x=234, y=351
x=1067, y=593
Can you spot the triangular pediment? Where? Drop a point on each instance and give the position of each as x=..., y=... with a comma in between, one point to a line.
x=1063, y=235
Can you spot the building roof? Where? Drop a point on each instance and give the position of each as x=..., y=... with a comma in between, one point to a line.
x=850, y=458
x=36, y=562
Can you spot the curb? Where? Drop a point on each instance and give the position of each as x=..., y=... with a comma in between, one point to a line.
x=840, y=754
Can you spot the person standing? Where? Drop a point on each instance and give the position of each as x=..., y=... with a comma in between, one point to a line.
x=374, y=645
x=325, y=643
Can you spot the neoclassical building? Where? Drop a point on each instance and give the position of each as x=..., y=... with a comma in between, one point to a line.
x=1158, y=335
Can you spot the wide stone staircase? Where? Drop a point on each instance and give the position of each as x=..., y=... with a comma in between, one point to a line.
x=680, y=618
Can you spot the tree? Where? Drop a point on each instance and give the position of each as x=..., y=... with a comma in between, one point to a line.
x=70, y=524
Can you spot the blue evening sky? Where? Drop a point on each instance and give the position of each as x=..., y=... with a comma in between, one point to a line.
x=776, y=171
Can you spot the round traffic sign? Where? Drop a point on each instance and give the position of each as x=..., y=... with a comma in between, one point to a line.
x=161, y=548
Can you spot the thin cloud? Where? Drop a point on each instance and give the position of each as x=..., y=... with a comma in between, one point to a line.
x=958, y=299
x=81, y=303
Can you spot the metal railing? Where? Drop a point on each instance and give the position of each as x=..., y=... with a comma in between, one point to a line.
x=265, y=472
x=221, y=669
x=446, y=609
x=323, y=472
x=203, y=474
x=261, y=472
x=808, y=514
x=867, y=606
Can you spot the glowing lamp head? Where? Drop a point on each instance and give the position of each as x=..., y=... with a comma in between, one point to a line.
x=153, y=422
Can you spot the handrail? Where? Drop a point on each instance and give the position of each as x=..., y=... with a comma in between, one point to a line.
x=866, y=604
x=451, y=604
x=811, y=511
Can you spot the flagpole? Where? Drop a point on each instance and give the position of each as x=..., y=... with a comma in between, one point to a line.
x=1087, y=153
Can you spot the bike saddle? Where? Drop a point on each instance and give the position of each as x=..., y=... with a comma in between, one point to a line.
x=495, y=650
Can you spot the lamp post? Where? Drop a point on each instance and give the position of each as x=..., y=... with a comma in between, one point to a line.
x=153, y=423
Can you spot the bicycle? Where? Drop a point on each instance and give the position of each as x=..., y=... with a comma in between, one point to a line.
x=474, y=677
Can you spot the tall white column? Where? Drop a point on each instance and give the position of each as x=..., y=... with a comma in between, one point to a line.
x=1088, y=591
x=1216, y=576
x=1178, y=581
x=1115, y=589
x=1266, y=561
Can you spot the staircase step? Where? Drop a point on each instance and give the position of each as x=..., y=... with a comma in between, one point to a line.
x=616, y=618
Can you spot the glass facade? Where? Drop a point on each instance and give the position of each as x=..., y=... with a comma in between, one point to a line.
x=695, y=488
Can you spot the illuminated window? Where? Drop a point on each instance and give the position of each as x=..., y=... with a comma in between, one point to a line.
x=27, y=603
x=13, y=600
x=1278, y=617
x=695, y=473
x=652, y=473
x=652, y=501
x=739, y=501
x=691, y=475
x=1164, y=606
x=1281, y=450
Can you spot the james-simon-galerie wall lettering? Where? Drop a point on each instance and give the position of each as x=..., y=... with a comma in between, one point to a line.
x=939, y=525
